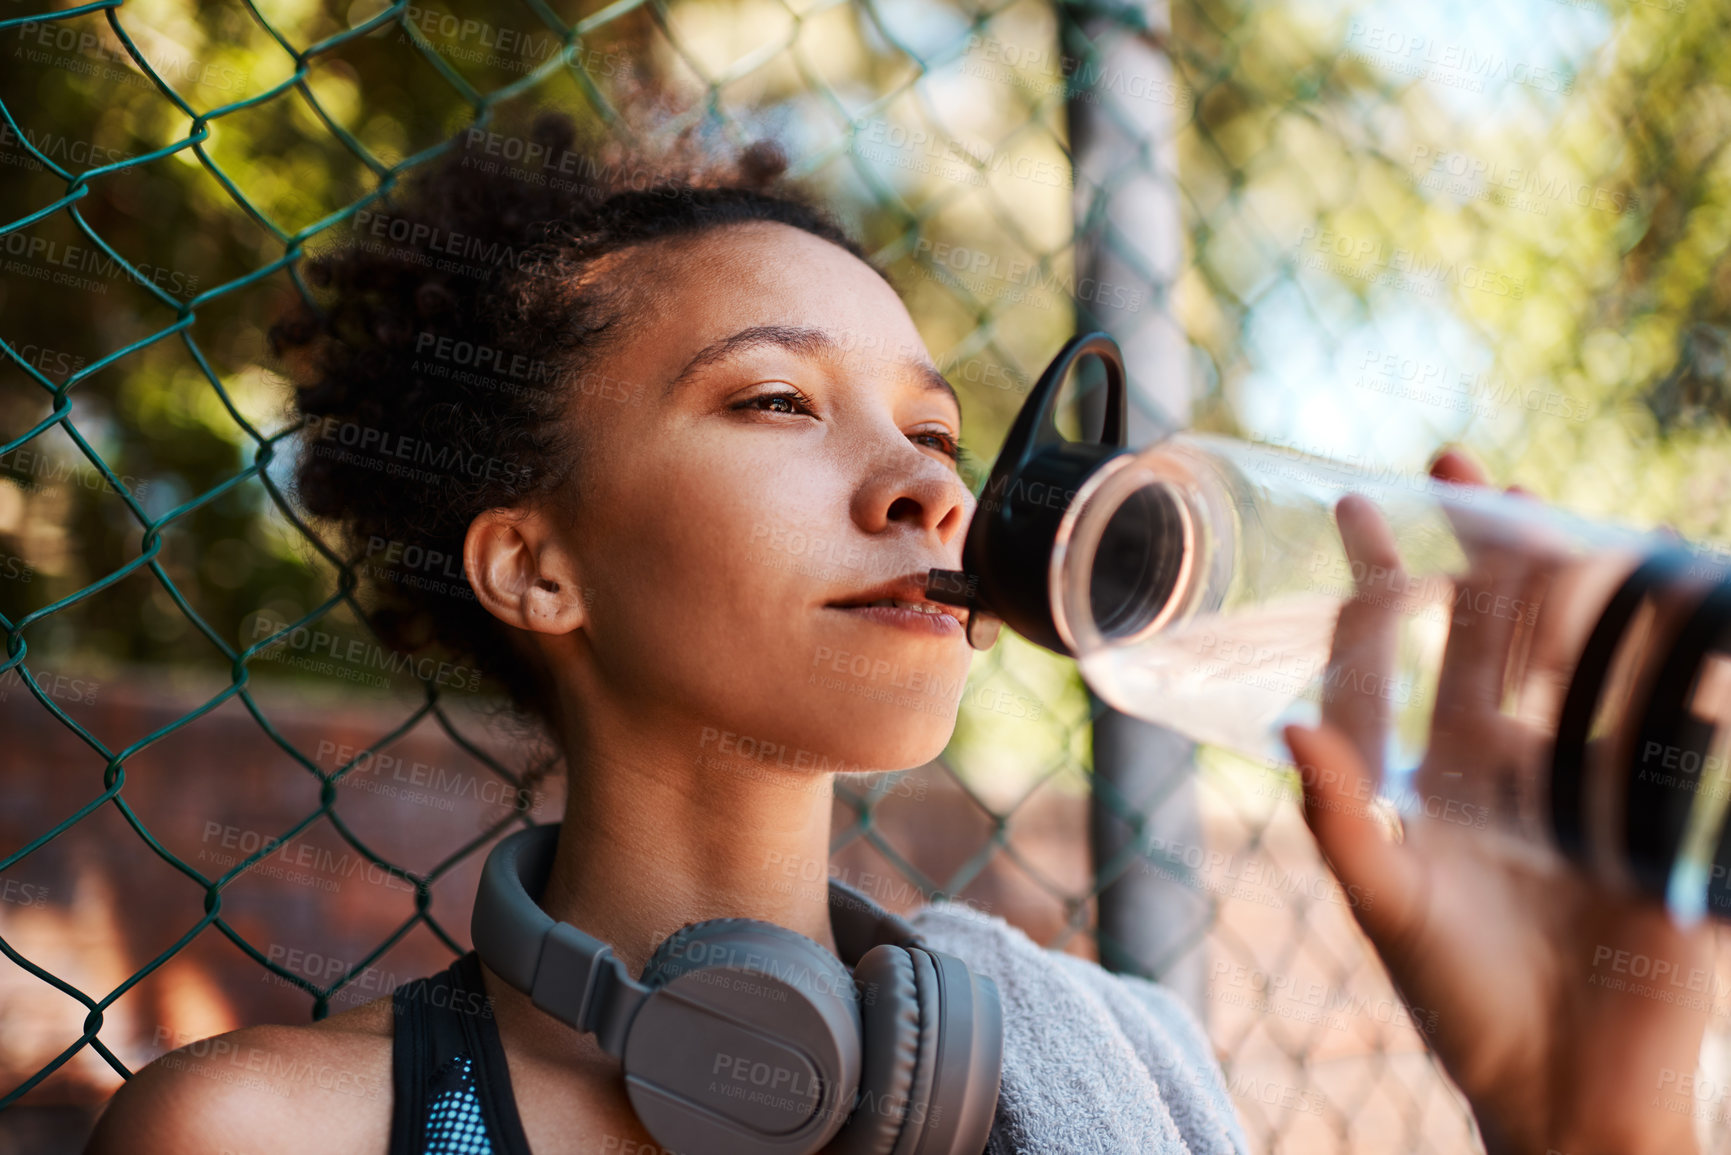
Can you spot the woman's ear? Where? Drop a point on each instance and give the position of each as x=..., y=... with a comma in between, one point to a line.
x=521, y=573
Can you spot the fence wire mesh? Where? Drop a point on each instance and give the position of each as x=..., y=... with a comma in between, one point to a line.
x=1388, y=228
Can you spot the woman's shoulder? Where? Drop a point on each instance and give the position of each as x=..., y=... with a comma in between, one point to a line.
x=262, y=1090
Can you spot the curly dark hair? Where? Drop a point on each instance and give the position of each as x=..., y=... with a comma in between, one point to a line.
x=457, y=328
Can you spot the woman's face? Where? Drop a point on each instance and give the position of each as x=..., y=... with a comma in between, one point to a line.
x=766, y=445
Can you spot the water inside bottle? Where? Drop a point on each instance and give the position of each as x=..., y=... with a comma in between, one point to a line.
x=1214, y=603
x=1236, y=679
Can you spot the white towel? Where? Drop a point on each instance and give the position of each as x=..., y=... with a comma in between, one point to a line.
x=1095, y=1063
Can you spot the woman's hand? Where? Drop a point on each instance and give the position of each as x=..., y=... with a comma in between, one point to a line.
x=1511, y=963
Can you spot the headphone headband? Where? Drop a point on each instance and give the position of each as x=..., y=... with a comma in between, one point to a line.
x=574, y=976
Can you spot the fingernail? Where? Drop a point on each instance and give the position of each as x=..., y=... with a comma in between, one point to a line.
x=1393, y=828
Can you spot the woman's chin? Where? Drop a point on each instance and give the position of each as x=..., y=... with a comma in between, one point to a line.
x=903, y=743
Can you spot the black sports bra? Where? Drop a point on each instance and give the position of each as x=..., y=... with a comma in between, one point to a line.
x=452, y=1090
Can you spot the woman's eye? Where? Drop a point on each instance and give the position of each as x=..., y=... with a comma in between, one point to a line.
x=943, y=442
x=777, y=403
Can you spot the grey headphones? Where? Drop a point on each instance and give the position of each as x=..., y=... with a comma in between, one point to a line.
x=747, y=1038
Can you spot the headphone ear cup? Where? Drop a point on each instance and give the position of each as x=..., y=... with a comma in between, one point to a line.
x=933, y=1056
x=673, y=956
x=716, y=942
x=890, y=1034
x=963, y=1033
x=748, y=1041
x=921, y=1110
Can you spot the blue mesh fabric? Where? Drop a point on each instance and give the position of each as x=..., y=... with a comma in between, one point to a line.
x=454, y=1123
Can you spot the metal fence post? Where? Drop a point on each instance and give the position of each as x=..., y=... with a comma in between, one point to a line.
x=1129, y=253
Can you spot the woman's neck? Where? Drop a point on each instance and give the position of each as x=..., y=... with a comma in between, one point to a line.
x=678, y=828
x=667, y=823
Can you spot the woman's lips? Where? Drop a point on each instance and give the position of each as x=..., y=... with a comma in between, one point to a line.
x=938, y=625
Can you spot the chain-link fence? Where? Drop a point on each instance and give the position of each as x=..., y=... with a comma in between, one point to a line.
x=1350, y=228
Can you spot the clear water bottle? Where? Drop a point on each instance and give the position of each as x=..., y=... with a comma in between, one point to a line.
x=1502, y=664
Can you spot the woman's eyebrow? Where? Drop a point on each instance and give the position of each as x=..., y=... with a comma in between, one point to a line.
x=935, y=382
x=794, y=339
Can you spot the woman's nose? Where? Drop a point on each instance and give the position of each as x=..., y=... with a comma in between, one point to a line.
x=918, y=491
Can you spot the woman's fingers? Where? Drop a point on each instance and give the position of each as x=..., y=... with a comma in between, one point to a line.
x=1365, y=536
x=1355, y=700
x=1494, y=601
x=1359, y=835
x=1453, y=465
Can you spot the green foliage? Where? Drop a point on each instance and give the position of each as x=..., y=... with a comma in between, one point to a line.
x=1552, y=207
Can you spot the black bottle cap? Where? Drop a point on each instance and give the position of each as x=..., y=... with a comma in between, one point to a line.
x=1006, y=558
